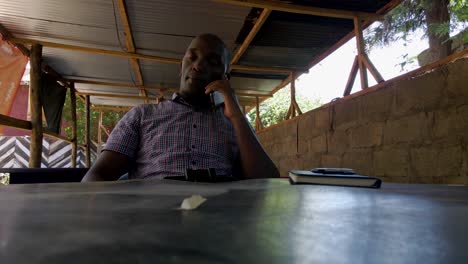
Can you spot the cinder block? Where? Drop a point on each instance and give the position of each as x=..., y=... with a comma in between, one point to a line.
x=360, y=161
x=288, y=163
x=306, y=125
x=338, y=141
x=377, y=106
x=318, y=144
x=289, y=147
x=322, y=121
x=392, y=162
x=451, y=124
x=303, y=146
x=424, y=163
x=332, y=160
x=311, y=160
x=456, y=80
x=394, y=179
x=449, y=161
x=414, y=128
x=347, y=113
x=422, y=93
x=368, y=135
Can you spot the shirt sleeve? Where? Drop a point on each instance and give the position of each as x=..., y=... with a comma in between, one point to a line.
x=125, y=137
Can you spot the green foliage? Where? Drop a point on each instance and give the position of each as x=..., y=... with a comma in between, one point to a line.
x=274, y=110
x=410, y=16
x=109, y=120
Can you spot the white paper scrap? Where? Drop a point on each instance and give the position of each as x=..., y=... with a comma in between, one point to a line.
x=192, y=202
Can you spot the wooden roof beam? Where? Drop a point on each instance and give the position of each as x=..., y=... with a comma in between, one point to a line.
x=129, y=43
x=302, y=9
x=160, y=89
x=8, y=36
x=115, y=95
x=139, y=56
x=110, y=108
x=258, y=24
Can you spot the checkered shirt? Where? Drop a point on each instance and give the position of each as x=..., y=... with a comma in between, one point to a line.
x=165, y=139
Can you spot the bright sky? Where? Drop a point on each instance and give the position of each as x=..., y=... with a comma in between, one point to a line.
x=327, y=79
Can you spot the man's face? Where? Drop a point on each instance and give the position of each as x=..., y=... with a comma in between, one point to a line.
x=203, y=63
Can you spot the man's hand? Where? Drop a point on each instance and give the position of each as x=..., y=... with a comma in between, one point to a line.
x=231, y=107
x=254, y=161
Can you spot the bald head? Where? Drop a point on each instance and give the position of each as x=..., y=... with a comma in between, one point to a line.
x=207, y=59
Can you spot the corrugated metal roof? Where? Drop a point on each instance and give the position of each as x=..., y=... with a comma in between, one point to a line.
x=76, y=64
x=165, y=28
x=171, y=24
x=160, y=74
x=294, y=40
x=77, y=22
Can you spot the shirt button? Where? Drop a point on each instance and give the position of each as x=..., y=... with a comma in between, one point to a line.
x=194, y=126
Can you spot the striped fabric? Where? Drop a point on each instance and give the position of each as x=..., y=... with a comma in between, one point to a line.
x=14, y=153
x=165, y=139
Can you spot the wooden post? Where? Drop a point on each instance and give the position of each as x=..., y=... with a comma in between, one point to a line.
x=88, y=132
x=293, y=107
x=369, y=65
x=361, y=52
x=258, y=121
x=352, y=76
x=74, y=125
x=36, y=107
x=99, y=129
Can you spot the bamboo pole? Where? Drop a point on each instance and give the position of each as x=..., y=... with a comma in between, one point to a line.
x=14, y=122
x=258, y=121
x=352, y=76
x=36, y=107
x=361, y=51
x=303, y=9
x=99, y=129
x=88, y=132
x=73, y=125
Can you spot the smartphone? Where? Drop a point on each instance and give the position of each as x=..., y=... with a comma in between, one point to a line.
x=216, y=98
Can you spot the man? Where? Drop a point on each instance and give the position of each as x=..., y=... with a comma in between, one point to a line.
x=187, y=132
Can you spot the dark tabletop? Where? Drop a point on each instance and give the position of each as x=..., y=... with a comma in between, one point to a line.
x=255, y=221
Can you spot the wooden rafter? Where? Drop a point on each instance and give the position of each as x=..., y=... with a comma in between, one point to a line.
x=352, y=76
x=258, y=24
x=302, y=9
x=361, y=51
x=130, y=44
x=385, y=9
x=293, y=107
x=160, y=89
x=109, y=108
x=116, y=96
x=139, y=56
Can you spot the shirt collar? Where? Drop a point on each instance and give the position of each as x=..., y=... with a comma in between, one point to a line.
x=179, y=99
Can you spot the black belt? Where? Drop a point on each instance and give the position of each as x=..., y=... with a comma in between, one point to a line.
x=206, y=175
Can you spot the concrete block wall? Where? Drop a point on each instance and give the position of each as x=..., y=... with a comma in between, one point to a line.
x=410, y=131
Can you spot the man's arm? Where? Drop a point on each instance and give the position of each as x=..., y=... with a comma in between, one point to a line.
x=255, y=162
x=120, y=148
x=108, y=167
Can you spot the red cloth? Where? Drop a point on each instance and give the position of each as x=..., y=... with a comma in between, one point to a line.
x=12, y=66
